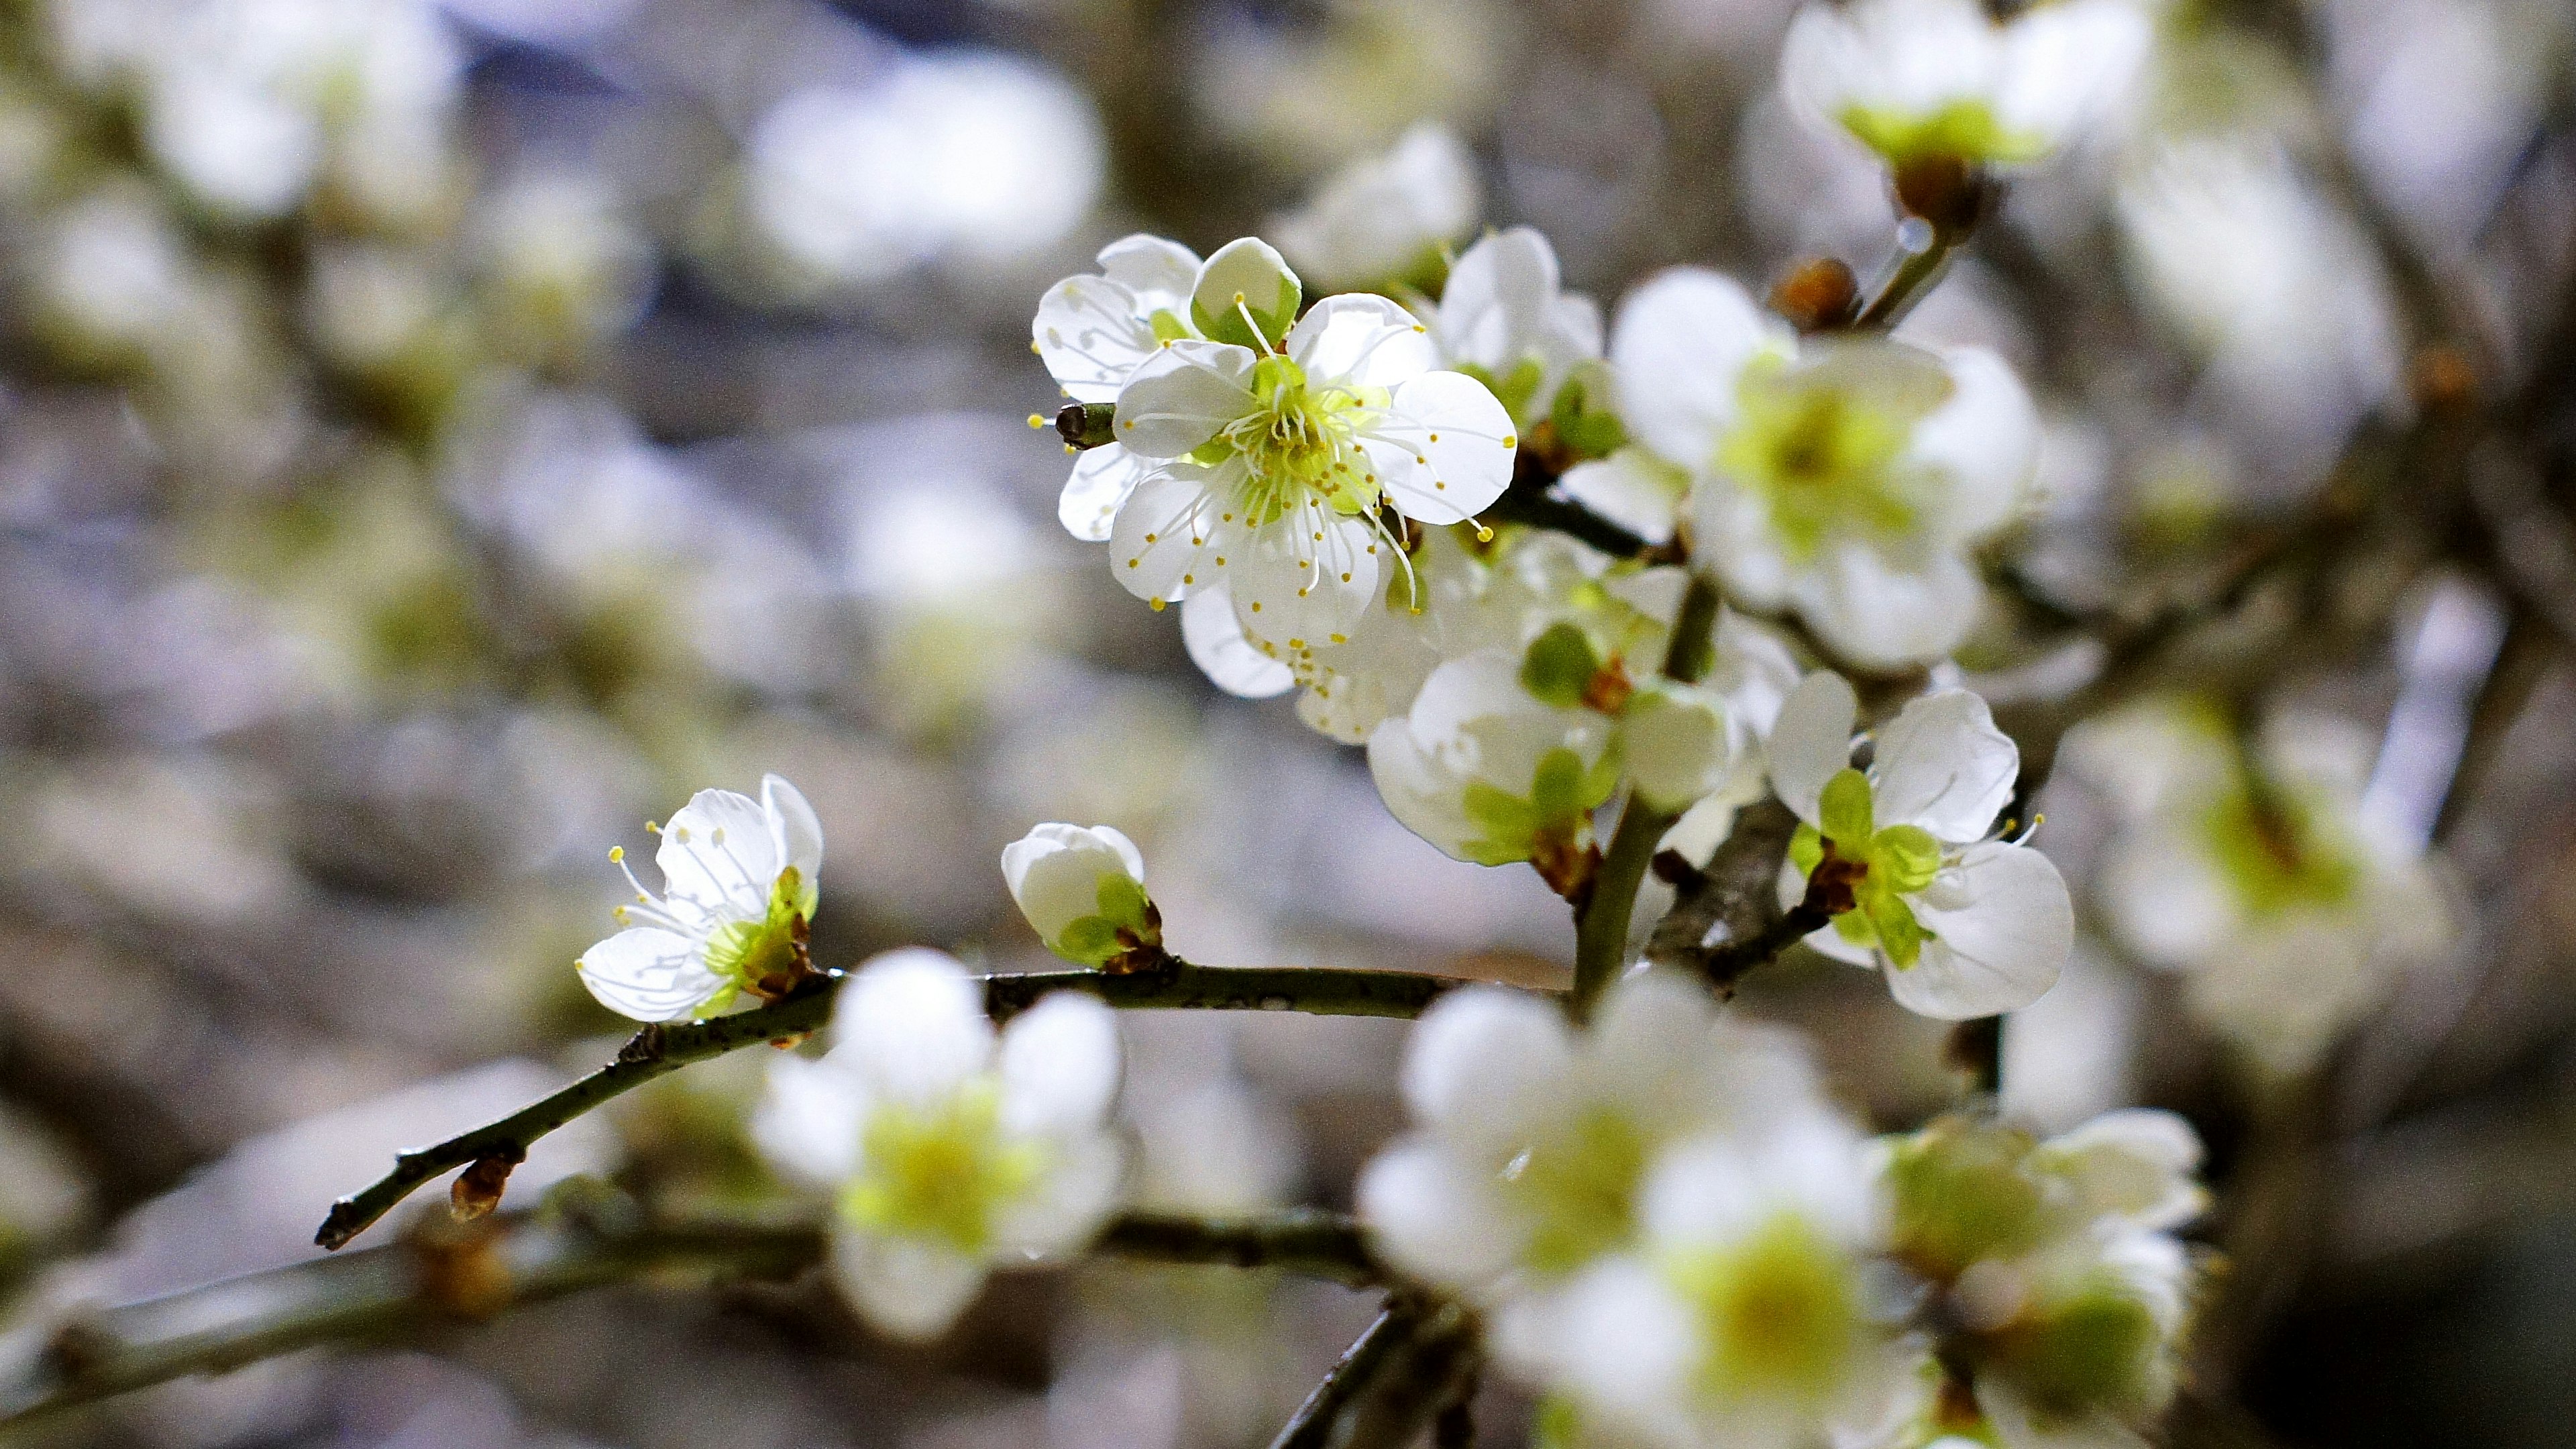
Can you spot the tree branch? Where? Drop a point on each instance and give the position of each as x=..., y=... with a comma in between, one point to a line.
x=472, y=1272
x=657, y=1050
x=1311, y=1427
x=1726, y=919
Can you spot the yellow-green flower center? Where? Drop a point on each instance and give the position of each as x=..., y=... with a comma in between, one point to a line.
x=1967, y=129
x=1578, y=1186
x=750, y=954
x=2276, y=852
x=1779, y=1313
x=1885, y=865
x=943, y=1173
x=1299, y=444
x=1829, y=459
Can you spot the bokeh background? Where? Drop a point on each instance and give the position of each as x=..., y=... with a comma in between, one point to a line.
x=437, y=437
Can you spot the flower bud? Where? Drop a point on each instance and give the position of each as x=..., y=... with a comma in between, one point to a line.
x=1083, y=890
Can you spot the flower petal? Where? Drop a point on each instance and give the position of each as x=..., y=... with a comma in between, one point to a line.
x=1943, y=765
x=1444, y=449
x=1302, y=579
x=1481, y=1056
x=1101, y=481
x=1171, y=537
x=1158, y=272
x=2137, y=1163
x=1679, y=344
x=905, y=1287
x=795, y=835
x=1883, y=611
x=1054, y=873
x=1224, y=653
x=911, y=1023
x=1064, y=1209
x=1436, y=1216
x=1811, y=741
x=810, y=1118
x=717, y=855
x=1360, y=339
x=648, y=974
x=1059, y=1065
x=1984, y=439
x=2002, y=928
x=1181, y=395
x=1091, y=335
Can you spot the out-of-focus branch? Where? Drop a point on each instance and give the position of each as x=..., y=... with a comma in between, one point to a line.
x=1726, y=919
x=1312, y=1426
x=472, y=1273
x=656, y=1050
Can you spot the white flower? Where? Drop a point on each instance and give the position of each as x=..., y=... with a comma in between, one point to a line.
x=1385, y=218
x=948, y=1153
x=1744, y=1320
x=1918, y=79
x=1348, y=687
x=1533, y=1140
x=1846, y=478
x=1964, y=924
x=1489, y=774
x=739, y=883
x=1084, y=892
x=1283, y=445
x=1505, y=320
x=2288, y=909
x=1093, y=332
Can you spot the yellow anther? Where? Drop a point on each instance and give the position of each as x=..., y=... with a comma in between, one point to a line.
x=1511, y=441
x=652, y=829
x=616, y=853
x=1483, y=535
x=1035, y=421
x=1157, y=603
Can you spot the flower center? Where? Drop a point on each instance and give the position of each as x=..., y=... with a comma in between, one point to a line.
x=1965, y=128
x=943, y=1172
x=2276, y=853
x=1778, y=1312
x=1882, y=867
x=1579, y=1187
x=1829, y=463
x=1301, y=445
x=764, y=956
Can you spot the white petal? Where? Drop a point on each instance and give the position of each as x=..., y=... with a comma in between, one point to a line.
x=1501, y=305
x=2069, y=64
x=1811, y=741
x=1943, y=765
x=1182, y=394
x=1059, y=1065
x=1435, y=1216
x=1444, y=449
x=1985, y=440
x=2002, y=929
x=810, y=1119
x=1302, y=579
x=1679, y=345
x=1421, y=790
x=912, y=1024
x=1631, y=488
x=2166, y=899
x=1224, y=653
x=1054, y=873
x=1883, y=612
x=906, y=1288
x=1085, y=1175
x=1621, y=1340
x=1675, y=744
x=1169, y=538
x=717, y=853
x=795, y=835
x=1481, y=1056
x=648, y=974
x=1102, y=479
x=1091, y=336
x=2137, y=1163
x=1648, y=1037
x=1159, y=273
x=1362, y=340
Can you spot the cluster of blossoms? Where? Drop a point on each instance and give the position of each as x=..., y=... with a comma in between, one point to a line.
x=1676, y=1236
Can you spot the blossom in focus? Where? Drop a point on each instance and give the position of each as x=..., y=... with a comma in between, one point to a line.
x=1083, y=891
x=739, y=886
x=1846, y=478
x=1964, y=923
x=1282, y=445
x=1747, y=1317
x=2287, y=909
x=949, y=1151
x=1346, y=688
x=1093, y=331
x=1533, y=1138
x=1489, y=774
x=2054, y=1263
x=1917, y=80
x=1385, y=218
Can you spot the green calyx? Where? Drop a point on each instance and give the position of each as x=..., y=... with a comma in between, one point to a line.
x=1563, y=667
x=2276, y=853
x=941, y=1173
x=1582, y=417
x=1578, y=1187
x=1884, y=867
x=763, y=956
x=1126, y=920
x=1779, y=1311
x=1960, y=1192
x=1563, y=794
x=1967, y=130
x=1829, y=459
x=2094, y=1349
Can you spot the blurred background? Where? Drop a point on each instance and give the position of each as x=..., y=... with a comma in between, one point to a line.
x=437, y=437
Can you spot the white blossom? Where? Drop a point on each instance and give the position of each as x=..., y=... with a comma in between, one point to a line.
x=1488, y=773
x=739, y=885
x=2287, y=909
x=1083, y=891
x=1385, y=218
x=948, y=1152
x=1916, y=79
x=1846, y=478
x=1505, y=319
x=1964, y=923
x=1093, y=331
x=1280, y=444
x=1346, y=688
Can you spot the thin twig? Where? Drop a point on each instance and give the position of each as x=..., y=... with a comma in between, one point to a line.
x=1311, y=1427
x=1726, y=919
x=472, y=1273
x=656, y=1050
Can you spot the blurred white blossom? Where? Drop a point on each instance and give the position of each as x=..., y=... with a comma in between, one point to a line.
x=1387, y=218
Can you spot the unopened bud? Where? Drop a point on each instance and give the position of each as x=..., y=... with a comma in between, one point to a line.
x=478, y=1188
x=1085, y=425
x=1819, y=295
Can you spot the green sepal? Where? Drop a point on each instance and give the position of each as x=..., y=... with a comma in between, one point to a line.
x=1807, y=849
x=1845, y=808
x=1560, y=665
x=1583, y=421
x=1966, y=128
